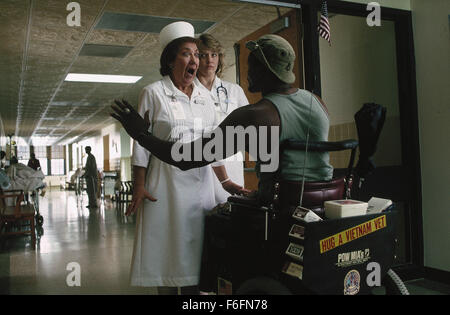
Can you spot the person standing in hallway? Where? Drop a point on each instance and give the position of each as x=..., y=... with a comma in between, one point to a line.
x=2, y=159
x=90, y=175
x=225, y=97
x=33, y=162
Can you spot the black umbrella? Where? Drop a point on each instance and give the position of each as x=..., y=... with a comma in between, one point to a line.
x=369, y=122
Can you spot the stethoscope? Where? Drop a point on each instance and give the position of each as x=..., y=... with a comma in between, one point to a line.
x=222, y=89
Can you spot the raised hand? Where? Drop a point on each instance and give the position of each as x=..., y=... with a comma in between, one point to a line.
x=130, y=119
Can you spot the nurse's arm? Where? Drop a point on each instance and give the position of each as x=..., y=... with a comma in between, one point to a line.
x=226, y=182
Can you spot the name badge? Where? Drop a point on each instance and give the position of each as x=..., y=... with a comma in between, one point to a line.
x=199, y=101
x=177, y=110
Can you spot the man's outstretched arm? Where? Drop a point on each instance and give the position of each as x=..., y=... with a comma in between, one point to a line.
x=187, y=155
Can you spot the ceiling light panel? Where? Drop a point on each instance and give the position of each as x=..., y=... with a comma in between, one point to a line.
x=111, y=37
x=102, y=78
x=145, y=23
x=71, y=103
x=96, y=50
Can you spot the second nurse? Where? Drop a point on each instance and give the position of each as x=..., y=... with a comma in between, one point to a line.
x=225, y=97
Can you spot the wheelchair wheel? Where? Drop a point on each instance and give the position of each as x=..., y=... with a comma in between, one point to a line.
x=262, y=286
x=393, y=284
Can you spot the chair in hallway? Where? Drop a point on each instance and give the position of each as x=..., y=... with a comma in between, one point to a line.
x=15, y=215
x=125, y=193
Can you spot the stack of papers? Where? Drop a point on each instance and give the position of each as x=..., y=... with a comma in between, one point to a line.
x=336, y=209
x=377, y=205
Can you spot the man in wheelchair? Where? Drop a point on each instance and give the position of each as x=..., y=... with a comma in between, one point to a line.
x=297, y=173
x=288, y=112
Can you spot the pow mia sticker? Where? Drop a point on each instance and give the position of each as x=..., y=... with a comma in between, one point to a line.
x=293, y=269
x=352, y=282
x=305, y=215
x=297, y=231
x=295, y=251
x=356, y=257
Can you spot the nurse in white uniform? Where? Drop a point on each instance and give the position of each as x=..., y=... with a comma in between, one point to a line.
x=169, y=228
x=225, y=97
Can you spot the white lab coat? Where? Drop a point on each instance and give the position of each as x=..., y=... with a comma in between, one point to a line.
x=169, y=232
x=234, y=165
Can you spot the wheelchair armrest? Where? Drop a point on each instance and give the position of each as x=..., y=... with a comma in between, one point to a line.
x=243, y=200
x=246, y=202
x=319, y=146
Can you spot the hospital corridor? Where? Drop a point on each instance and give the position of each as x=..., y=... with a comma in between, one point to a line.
x=208, y=148
x=99, y=242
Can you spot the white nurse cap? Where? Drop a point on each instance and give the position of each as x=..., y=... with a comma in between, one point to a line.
x=175, y=30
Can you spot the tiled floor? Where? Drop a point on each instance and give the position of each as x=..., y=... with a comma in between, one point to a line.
x=427, y=287
x=99, y=242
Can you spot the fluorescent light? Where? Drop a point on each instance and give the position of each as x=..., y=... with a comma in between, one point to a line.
x=272, y=3
x=102, y=78
x=43, y=140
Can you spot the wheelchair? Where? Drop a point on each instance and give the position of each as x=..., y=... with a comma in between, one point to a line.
x=266, y=250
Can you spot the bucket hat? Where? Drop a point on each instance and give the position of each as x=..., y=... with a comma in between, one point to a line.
x=276, y=54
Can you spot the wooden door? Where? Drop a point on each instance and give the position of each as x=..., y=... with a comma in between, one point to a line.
x=71, y=166
x=292, y=33
x=106, y=153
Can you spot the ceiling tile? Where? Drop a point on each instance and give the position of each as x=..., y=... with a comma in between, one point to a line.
x=32, y=87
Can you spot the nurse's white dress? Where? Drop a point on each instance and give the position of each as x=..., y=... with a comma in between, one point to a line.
x=235, y=97
x=169, y=232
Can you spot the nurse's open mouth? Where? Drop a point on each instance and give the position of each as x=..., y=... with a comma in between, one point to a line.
x=191, y=71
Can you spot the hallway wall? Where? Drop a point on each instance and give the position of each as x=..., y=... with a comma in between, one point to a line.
x=431, y=27
x=2, y=135
x=120, y=149
x=431, y=23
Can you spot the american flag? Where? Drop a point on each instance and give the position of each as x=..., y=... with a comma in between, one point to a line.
x=324, y=25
